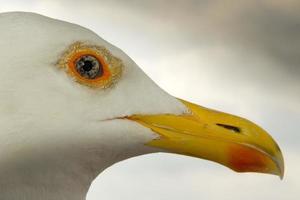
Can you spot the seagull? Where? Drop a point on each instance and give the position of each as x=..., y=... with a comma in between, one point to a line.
x=72, y=105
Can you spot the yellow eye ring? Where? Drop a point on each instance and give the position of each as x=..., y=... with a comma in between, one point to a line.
x=93, y=66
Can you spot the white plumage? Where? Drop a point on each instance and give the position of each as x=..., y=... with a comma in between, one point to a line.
x=59, y=130
x=53, y=139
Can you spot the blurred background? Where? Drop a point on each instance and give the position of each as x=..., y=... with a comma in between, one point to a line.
x=241, y=57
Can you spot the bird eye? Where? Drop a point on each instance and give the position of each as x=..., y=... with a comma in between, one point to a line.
x=91, y=65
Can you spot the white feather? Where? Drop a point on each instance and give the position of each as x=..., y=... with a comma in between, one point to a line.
x=53, y=142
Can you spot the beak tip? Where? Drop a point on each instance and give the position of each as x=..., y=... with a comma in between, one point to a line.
x=280, y=164
x=281, y=170
x=281, y=177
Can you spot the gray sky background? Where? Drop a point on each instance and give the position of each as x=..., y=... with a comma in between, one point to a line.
x=241, y=57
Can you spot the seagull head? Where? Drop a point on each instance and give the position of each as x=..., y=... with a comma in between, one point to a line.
x=72, y=102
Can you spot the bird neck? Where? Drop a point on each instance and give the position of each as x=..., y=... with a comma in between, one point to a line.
x=48, y=165
x=49, y=176
x=44, y=181
x=60, y=173
x=46, y=186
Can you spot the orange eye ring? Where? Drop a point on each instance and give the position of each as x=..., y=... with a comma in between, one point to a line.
x=111, y=67
x=74, y=59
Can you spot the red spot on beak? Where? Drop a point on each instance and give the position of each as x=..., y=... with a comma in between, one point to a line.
x=247, y=159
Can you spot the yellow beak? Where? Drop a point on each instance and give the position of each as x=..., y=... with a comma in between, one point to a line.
x=227, y=139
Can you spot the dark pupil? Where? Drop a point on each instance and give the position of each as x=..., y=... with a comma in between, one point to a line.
x=87, y=66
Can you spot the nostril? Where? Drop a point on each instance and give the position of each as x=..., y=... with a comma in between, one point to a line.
x=232, y=128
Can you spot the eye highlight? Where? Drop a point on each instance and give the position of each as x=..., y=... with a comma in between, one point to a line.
x=91, y=65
